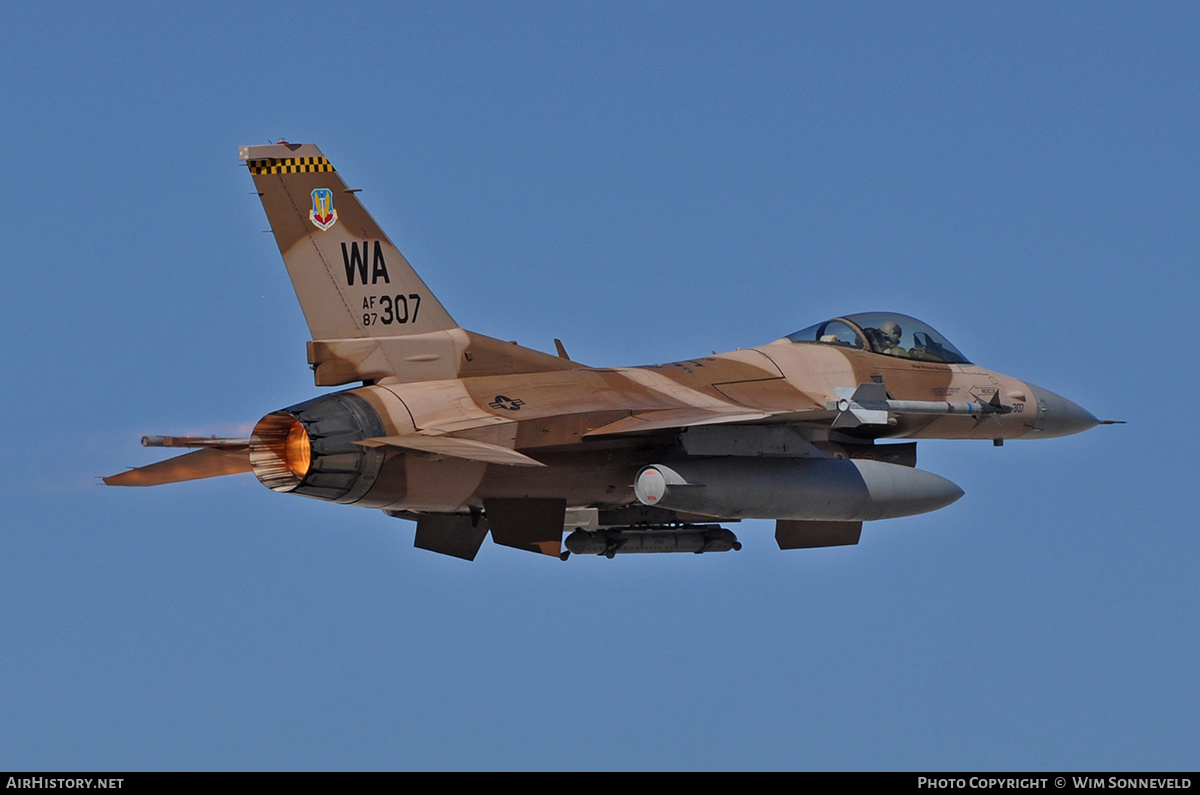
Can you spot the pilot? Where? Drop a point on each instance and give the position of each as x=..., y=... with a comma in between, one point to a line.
x=887, y=339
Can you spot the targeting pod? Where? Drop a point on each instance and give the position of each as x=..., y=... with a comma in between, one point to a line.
x=686, y=538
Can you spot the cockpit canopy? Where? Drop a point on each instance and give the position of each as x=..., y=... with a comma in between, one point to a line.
x=889, y=333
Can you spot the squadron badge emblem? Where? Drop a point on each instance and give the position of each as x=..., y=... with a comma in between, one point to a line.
x=322, y=214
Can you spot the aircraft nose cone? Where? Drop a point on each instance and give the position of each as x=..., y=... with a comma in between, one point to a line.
x=1057, y=416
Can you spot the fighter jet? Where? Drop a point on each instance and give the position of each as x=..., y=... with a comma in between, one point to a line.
x=466, y=434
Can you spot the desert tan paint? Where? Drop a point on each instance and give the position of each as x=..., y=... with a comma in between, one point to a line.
x=467, y=418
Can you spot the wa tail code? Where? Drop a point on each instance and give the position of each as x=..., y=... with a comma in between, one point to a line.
x=355, y=260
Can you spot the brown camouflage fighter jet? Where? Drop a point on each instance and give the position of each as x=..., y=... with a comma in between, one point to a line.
x=466, y=434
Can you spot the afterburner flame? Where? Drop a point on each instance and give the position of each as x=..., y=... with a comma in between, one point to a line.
x=297, y=451
x=280, y=451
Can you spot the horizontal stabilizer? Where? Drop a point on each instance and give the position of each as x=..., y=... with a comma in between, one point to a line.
x=452, y=446
x=209, y=462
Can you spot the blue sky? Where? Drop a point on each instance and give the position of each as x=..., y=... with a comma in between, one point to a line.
x=647, y=182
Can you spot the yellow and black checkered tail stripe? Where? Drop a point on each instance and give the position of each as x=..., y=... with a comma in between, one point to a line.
x=289, y=165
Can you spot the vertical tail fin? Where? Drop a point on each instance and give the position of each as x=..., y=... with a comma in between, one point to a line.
x=350, y=280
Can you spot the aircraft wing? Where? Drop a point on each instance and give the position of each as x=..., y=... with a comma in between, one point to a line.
x=664, y=419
